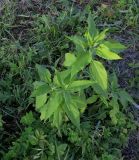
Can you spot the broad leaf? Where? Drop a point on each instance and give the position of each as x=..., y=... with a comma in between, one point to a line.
x=41, y=90
x=91, y=26
x=99, y=74
x=44, y=73
x=58, y=79
x=80, y=63
x=62, y=78
x=80, y=100
x=114, y=46
x=37, y=84
x=89, y=38
x=41, y=100
x=104, y=52
x=80, y=84
x=69, y=59
x=101, y=36
x=80, y=43
x=71, y=110
x=57, y=118
x=52, y=105
x=43, y=112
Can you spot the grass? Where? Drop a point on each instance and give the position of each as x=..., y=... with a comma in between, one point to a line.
x=36, y=32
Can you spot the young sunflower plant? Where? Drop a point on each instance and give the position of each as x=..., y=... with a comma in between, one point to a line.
x=62, y=96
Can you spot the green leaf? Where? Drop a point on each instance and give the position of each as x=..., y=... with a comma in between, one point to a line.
x=88, y=38
x=104, y=52
x=33, y=140
x=125, y=98
x=114, y=112
x=114, y=46
x=69, y=59
x=52, y=105
x=99, y=90
x=71, y=110
x=57, y=118
x=58, y=79
x=91, y=26
x=80, y=101
x=61, y=149
x=44, y=73
x=43, y=112
x=80, y=84
x=80, y=63
x=43, y=89
x=62, y=78
x=37, y=84
x=114, y=81
x=80, y=43
x=28, y=119
x=99, y=74
x=41, y=100
x=92, y=99
x=101, y=36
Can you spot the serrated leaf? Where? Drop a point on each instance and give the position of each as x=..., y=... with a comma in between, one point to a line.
x=80, y=84
x=41, y=100
x=69, y=59
x=91, y=26
x=62, y=78
x=80, y=43
x=52, y=105
x=57, y=118
x=114, y=46
x=37, y=84
x=43, y=112
x=99, y=74
x=43, y=89
x=80, y=63
x=71, y=110
x=80, y=101
x=44, y=73
x=101, y=36
x=104, y=52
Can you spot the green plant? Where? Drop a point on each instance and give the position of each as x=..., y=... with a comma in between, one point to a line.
x=38, y=33
x=64, y=95
x=35, y=143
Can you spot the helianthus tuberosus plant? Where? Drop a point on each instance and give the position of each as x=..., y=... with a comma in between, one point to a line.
x=63, y=96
